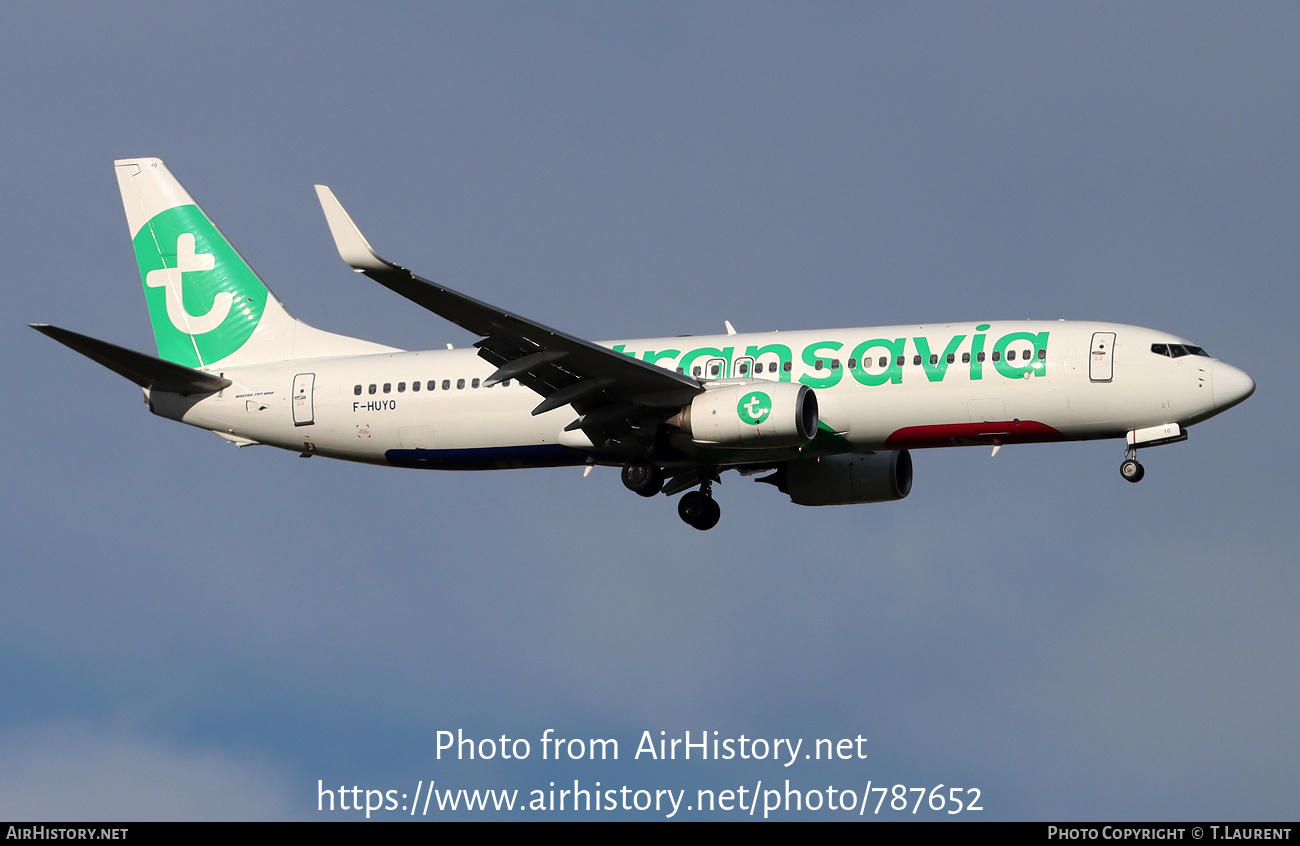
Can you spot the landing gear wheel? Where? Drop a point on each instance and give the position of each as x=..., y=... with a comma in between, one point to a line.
x=699, y=510
x=643, y=479
x=692, y=506
x=712, y=514
x=1131, y=470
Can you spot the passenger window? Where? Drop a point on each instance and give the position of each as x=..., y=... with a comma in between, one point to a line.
x=900, y=361
x=505, y=384
x=997, y=356
x=431, y=385
x=835, y=364
x=474, y=384
x=916, y=361
x=1042, y=355
x=818, y=366
x=787, y=366
x=934, y=359
x=373, y=387
x=744, y=368
x=883, y=362
x=388, y=387
x=357, y=390
x=853, y=363
x=401, y=387
x=460, y=384
x=415, y=386
x=446, y=384
x=979, y=356
x=771, y=368
x=965, y=358
x=695, y=371
x=951, y=358
x=1011, y=355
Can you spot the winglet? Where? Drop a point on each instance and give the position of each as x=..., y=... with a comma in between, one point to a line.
x=352, y=245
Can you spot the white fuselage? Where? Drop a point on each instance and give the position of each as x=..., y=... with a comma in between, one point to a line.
x=957, y=384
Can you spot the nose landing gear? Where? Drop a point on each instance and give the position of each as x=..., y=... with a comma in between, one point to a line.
x=699, y=509
x=1131, y=469
x=1149, y=436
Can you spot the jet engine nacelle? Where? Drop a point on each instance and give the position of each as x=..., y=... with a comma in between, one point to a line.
x=847, y=479
x=752, y=414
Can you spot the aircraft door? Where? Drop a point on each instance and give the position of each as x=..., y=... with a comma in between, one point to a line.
x=304, y=388
x=1101, y=365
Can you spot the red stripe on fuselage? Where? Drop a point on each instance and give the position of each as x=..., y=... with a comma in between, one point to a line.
x=973, y=434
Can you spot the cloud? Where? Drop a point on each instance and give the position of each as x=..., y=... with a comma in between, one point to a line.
x=68, y=772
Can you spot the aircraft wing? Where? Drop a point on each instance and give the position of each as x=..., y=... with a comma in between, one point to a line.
x=610, y=391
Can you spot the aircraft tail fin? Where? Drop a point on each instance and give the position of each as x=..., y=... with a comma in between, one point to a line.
x=206, y=304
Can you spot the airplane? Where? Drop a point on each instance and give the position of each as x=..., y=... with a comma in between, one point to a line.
x=828, y=415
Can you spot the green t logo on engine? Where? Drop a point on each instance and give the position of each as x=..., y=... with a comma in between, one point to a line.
x=754, y=407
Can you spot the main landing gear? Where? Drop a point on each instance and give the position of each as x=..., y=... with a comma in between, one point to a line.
x=696, y=508
x=643, y=479
x=699, y=509
x=1131, y=469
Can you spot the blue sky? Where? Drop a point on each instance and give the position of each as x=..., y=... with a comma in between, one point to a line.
x=192, y=631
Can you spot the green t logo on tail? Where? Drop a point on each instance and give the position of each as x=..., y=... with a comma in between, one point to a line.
x=754, y=407
x=204, y=300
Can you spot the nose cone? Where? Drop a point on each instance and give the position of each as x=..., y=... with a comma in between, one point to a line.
x=1231, y=385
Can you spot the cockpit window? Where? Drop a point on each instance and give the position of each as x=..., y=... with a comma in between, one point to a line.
x=1178, y=350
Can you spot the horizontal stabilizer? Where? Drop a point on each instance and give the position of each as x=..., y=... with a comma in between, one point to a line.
x=145, y=370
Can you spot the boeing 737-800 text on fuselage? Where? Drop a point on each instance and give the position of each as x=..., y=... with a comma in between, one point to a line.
x=829, y=415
